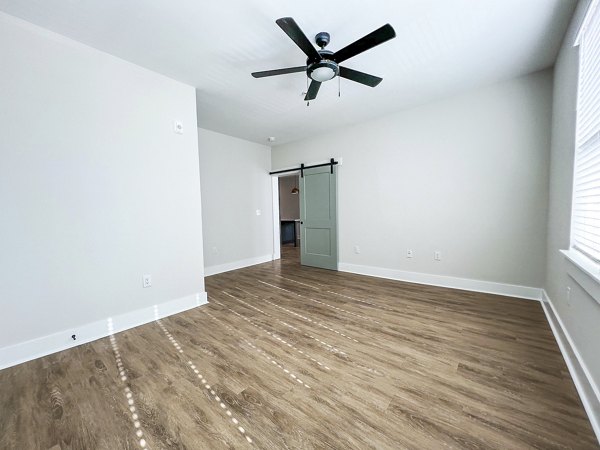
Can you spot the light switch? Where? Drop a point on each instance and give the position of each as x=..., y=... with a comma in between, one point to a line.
x=177, y=127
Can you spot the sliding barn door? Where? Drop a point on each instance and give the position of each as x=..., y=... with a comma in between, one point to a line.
x=318, y=218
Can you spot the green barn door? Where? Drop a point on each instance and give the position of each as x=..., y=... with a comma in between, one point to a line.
x=318, y=218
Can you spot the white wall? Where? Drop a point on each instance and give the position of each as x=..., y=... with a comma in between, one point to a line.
x=95, y=187
x=235, y=183
x=580, y=314
x=467, y=176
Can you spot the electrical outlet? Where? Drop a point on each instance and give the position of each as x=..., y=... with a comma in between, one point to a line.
x=409, y=253
x=357, y=249
x=437, y=255
x=258, y=212
x=147, y=281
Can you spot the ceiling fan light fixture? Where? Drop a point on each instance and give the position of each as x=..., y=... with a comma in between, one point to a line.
x=323, y=71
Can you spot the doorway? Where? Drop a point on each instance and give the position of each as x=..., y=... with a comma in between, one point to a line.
x=289, y=217
x=305, y=215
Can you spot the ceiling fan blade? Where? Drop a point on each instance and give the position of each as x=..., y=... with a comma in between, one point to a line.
x=379, y=36
x=291, y=28
x=313, y=89
x=270, y=73
x=360, y=77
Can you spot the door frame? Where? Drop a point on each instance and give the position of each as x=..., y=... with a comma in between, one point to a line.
x=275, y=192
x=276, y=220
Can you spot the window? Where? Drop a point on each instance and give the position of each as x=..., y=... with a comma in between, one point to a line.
x=585, y=226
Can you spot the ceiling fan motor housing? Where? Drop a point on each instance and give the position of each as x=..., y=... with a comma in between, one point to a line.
x=322, y=70
x=322, y=39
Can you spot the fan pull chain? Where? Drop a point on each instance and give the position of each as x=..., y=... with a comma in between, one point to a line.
x=308, y=102
x=339, y=86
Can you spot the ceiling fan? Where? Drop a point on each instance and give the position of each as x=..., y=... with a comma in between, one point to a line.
x=323, y=65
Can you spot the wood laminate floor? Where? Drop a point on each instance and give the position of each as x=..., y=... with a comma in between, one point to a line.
x=291, y=357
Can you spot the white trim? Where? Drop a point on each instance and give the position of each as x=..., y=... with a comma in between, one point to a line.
x=583, y=262
x=587, y=389
x=276, y=221
x=586, y=20
x=56, y=342
x=490, y=287
x=584, y=271
x=234, y=265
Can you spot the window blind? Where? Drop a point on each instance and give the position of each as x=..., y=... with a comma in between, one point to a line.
x=585, y=229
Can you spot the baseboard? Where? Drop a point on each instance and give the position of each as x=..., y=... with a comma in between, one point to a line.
x=56, y=342
x=587, y=389
x=240, y=264
x=466, y=284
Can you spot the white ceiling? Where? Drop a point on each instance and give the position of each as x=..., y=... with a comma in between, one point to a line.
x=442, y=47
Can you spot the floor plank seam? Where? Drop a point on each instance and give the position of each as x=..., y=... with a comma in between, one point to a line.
x=345, y=359
x=128, y=394
x=311, y=321
x=386, y=308
x=329, y=347
x=203, y=380
x=271, y=360
x=273, y=335
x=323, y=303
